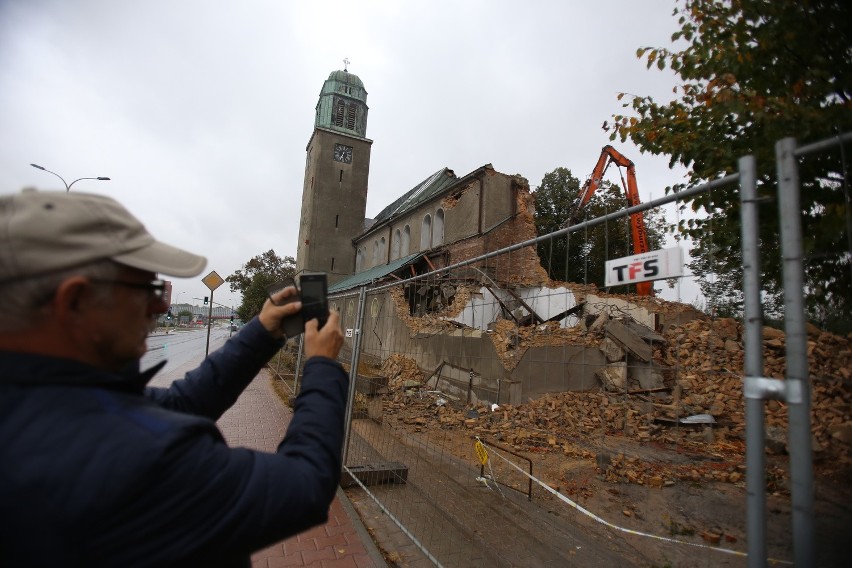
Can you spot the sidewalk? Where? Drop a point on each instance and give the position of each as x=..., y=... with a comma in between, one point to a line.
x=258, y=420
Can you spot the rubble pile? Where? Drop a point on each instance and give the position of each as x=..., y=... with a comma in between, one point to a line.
x=710, y=355
x=399, y=370
x=706, y=362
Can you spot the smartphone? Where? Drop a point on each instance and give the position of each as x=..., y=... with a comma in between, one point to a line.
x=292, y=325
x=314, y=294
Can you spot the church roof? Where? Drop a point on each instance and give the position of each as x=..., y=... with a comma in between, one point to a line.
x=420, y=193
x=375, y=273
x=345, y=77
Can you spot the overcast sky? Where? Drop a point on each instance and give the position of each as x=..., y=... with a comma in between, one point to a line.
x=200, y=110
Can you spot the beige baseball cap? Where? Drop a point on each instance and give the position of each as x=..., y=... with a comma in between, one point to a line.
x=42, y=232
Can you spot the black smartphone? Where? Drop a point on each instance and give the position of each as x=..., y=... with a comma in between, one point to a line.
x=294, y=324
x=314, y=294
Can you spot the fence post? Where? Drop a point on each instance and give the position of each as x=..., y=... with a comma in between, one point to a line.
x=753, y=366
x=797, y=386
x=298, y=365
x=353, y=369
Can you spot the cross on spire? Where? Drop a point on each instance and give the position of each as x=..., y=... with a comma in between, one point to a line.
x=346, y=64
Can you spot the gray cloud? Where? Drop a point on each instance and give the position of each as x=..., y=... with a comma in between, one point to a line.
x=200, y=110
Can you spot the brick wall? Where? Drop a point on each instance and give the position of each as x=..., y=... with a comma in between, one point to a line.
x=520, y=267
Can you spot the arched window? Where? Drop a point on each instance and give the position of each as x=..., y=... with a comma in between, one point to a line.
x=397, y=238
x=438, y=229
x=426, y=233
x=375, y=253
x=405, y=246
x=359, y=259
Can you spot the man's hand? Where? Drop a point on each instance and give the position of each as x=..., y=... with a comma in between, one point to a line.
x=271, y=315
x=326, y=341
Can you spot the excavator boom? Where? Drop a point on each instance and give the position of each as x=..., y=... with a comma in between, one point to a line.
x=608, y=156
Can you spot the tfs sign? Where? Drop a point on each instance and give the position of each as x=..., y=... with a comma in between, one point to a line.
x=653, y=265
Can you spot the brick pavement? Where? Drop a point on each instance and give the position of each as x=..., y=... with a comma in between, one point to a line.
x=258, y=420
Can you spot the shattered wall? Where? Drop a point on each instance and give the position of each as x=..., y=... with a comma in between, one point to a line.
x=509, y=363
x=500, y=330
x=520, y=267
x=432, y=342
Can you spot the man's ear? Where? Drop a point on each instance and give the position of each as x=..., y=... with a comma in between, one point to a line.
x=72, y=298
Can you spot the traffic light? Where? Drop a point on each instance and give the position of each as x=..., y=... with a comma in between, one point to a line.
x=232, y=318
x=205, y=300
x=169, y=315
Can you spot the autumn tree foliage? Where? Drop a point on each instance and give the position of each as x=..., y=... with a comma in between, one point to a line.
x=580, y=256
x=255, y=276
x=751, y=73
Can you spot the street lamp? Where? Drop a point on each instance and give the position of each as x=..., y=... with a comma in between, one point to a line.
x=68, y=185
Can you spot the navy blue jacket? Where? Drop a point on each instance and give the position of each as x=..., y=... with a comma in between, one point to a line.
x=97, y=469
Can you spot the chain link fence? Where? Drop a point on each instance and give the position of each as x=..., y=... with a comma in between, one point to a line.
x=502, y=417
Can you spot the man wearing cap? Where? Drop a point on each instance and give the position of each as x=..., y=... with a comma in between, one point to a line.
x=96, y=468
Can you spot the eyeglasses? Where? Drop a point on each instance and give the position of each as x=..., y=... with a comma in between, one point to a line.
x=156, y=288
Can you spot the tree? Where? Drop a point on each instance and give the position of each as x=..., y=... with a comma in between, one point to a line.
x=581, y=256
x=255, y=276
x=753, y=72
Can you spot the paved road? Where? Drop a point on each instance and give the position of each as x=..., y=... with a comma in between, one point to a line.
x=180, y=347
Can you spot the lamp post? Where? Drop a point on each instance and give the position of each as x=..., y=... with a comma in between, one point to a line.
x=68, y=185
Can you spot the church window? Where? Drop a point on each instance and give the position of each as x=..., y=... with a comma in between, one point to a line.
x=405, y=245
x=332, y=264
x=438, y=229
x=336, y=221
x=426, y=233
x=397, y=238
x=359, y=260
x=383, y=251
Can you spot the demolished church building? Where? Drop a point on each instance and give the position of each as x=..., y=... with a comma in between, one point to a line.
x=498, y=330
x=495, y=330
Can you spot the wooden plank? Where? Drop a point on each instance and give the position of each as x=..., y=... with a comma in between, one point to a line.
x=506, y=308
x=570, y=312
x=537, y=318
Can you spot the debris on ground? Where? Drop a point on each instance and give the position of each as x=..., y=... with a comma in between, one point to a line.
x=708, y=358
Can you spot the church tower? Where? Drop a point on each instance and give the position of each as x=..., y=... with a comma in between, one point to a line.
x=334, y=194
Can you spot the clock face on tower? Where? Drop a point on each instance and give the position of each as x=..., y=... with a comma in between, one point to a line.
x=343, y=153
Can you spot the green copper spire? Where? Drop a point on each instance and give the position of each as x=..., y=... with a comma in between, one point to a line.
x=342, y=104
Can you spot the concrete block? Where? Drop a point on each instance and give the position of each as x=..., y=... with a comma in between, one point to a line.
x=614, y=376
x=375, y=474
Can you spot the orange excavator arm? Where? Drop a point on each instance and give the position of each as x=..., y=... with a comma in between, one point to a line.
x=608, y=156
